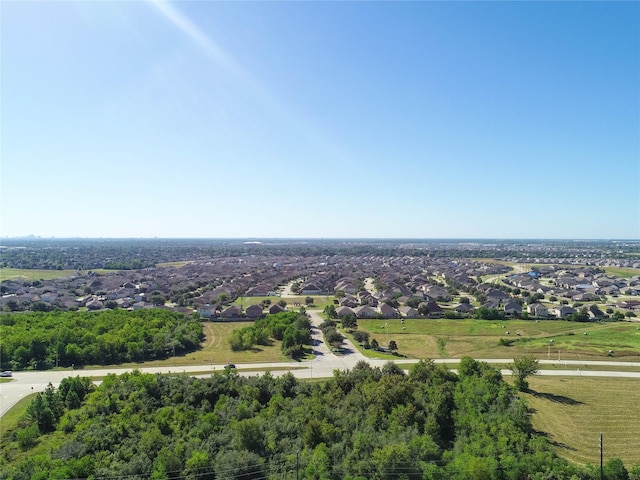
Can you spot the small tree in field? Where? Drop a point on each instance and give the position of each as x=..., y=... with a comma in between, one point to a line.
x=523, y=367
x=393, y=346
x=442, y=346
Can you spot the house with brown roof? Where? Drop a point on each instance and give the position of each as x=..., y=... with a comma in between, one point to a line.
x=253, y=311
x=275, y=308
x=387, y=311
x=231, y=312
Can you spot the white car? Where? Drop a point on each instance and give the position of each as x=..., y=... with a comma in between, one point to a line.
x=6, y=373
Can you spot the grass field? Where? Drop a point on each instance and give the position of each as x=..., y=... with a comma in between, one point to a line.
x=215, y=349
x=173, y=264
x=35, y=274
x=10, y=419
x=480, y=338
x=28, y=274
x=574, y=411
x=622, y=272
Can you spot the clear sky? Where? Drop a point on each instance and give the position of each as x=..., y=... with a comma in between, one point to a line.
x=320, y=119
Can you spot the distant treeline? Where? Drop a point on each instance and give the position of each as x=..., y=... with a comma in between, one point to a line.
x=367, y=423
x=141, y=253
x=43, y=340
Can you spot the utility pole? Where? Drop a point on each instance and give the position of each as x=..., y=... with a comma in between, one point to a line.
x=601, y=468
x=298, y=466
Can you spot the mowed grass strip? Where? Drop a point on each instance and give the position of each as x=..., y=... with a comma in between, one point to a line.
x=9, y=421
x=417, y=338
x=574, y=411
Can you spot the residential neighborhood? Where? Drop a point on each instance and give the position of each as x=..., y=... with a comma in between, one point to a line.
x=366, y=285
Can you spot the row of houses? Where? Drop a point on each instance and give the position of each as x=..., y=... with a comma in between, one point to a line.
x=233, y=312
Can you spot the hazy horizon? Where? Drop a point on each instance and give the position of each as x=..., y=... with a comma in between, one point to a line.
x=320, y=119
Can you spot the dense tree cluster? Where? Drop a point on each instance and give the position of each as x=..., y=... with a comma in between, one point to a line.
x=293, y=328
x=361, y=424
x=43, y=340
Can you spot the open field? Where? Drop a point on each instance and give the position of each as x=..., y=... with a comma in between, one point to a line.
x=215, y=349
x=38, y=274
x=480, y=338
x=31, y=275
x=35, y=274
x=622, y=272
x=173, y=264
x=574, y=411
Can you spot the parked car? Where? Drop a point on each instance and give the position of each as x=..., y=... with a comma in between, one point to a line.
x=6, y=373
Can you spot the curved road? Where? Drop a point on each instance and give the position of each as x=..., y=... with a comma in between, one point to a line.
x=322, y=366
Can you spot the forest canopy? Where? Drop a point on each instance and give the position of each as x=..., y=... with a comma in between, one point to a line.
x=365, y=423
x=41, y=340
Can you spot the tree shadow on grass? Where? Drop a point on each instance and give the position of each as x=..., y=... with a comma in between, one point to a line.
x=556, y=398
x=554, y=443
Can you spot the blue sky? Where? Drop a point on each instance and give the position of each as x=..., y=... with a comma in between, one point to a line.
x=320, y=119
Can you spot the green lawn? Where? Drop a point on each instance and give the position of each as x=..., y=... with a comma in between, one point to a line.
x=574, y=411
x=480, y=338
x=10, y=419
x=31, y=275
x=622, y=272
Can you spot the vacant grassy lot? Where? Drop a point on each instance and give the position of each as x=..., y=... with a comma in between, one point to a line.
x=622, y=272
x=480, y=338
x=173, y=264
x=31, y=275
x=215, y=349
x=574, y=411
x=35, y=274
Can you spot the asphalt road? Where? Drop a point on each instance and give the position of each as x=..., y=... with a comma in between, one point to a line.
x=322, y=366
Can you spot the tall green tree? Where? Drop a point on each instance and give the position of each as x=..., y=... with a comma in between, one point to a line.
x=522, y=368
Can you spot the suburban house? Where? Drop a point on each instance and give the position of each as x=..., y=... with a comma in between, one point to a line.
x=408, y=312
x=563, y=311
x=253, y=311
x=310, y=289
x=258, y=291
x=343, y=311
x=512, y=308
x=433, y=308
x=464, y=308
x=387, y=311
x=231, y=312
x=275, y=308
x=595, y=313
x=207, y=311
x=365, y=311
x=538, y=310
